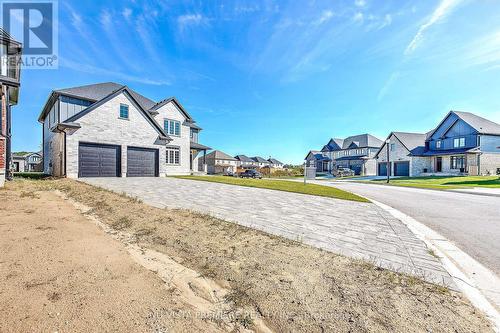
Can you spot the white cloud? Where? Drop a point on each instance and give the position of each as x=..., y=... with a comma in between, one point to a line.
x=483, y=52
x=388, y=84
x=358, y=17
x=325, y=17
x=189, y=19
x=444, y=8
x=105, y=18
x=127, y=13
x=360, y=3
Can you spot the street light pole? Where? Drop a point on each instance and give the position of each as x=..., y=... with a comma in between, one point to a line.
x=388, y=171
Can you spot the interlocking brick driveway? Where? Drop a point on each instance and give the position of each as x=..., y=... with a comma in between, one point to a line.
x=359, y=230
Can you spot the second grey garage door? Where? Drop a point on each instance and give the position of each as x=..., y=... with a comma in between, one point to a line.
x=401, y=168
x=98, y=160
x=142, y=162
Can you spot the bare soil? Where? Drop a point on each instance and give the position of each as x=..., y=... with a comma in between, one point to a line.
x=124, y=266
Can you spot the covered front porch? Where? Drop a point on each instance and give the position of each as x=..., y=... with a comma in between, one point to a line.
x=197, y=160
x=453, y=163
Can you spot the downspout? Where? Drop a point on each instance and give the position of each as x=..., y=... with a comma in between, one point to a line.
x=8, y=135
x=64, y=165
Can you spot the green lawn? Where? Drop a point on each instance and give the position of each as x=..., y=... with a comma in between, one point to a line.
x=281, y=185
x=445, y=183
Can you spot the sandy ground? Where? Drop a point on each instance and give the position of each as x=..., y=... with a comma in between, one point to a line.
x=124, y=266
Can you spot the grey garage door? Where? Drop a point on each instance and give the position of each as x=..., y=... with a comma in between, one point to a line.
x=401, y=168
x=142, y=162
x=98, y=160
x=382, y=169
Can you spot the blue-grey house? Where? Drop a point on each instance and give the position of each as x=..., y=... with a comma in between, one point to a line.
x=463, y=143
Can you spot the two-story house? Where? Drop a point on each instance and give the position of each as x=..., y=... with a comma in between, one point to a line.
x=261, y=162
x=245, y=162
x=275, y=164
x=401, y=146
x=10, y=53
x=355, y=152
x=219, y=162
x=109, y=130
x=462, y=143
x=26, y=162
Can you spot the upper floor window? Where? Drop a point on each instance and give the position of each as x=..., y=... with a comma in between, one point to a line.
x=438, y=144
x=458, y=142
x=393, y=146
x=172, y=127
x=123, y=111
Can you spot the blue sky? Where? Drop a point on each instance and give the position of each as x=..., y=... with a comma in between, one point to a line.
x=278, y=78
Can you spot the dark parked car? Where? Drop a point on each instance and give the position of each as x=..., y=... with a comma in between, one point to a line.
x=251, y=174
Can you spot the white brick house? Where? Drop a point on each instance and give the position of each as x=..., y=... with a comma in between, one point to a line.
x=110, y=130
x=400, y=146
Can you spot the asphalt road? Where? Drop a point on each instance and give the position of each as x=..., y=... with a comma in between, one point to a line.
x=471, y=221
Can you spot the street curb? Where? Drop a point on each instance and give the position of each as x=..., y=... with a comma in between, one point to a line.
x=472, y=278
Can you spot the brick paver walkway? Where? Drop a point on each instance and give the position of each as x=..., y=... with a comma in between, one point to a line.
x=359, y=230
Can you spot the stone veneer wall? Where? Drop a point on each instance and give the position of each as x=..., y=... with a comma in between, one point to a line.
x=489, y=163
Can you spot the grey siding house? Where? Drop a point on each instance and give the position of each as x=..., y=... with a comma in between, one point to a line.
x=29, y=162
x=109, y=130
x=462, y=143
x=355, y=152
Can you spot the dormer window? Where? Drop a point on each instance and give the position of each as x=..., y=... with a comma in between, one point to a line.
x=438, y=144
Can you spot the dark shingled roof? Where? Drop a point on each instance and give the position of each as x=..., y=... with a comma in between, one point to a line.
x=217, y=154
x=259, y=159
x=244, y=158
x=480, y=124
x=274, y=161
x=362, y=141
x=414, y=142
x=98, y=91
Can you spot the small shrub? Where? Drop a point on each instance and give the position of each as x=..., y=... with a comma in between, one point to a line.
x=30, y=175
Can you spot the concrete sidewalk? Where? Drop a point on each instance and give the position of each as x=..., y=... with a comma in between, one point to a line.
x=359, y=230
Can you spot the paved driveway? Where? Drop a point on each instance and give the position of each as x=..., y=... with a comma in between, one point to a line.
x=359, y=230
x=471, y=221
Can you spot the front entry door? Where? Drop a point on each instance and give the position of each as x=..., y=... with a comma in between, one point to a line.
x=439, y=164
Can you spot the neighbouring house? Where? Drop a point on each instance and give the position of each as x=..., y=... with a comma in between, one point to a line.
x=26, y=162
x=260, y=162
x=318, y=160
x=245, y=162
x=355, y=152
x=10, y=70
x=462, y=143
x=275, y=163
x=401, y=147
x=219, y=163
x=109, y=130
